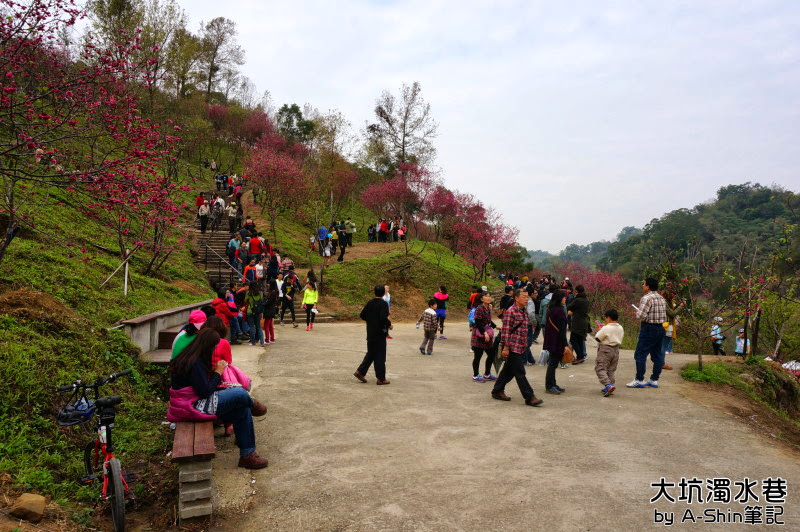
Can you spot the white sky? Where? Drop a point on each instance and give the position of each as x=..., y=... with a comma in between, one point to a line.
x=574, y=118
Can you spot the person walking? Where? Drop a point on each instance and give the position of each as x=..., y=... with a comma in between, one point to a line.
x=609, y=338
x=254, y=305
x=388, y=298
x=270, y=310
x=579, y=310
x=514, y=340
x=652, y=312
x=288, y=288
x=310, y=297
x=351, y=228
x=376, y=315
x=441, y=298
x=429, y=324
x=717, y=337
x=203, y=212
x=533, y=318
x=555, y=340
x=482, y=340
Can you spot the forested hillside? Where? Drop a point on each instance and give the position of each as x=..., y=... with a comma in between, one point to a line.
x=736, y=257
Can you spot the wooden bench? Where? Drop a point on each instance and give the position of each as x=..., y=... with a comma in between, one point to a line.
x=193, y=450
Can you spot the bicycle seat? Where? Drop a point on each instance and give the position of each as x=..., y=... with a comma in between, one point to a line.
x=104, y=402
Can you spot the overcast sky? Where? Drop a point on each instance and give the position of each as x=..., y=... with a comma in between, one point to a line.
x=574, y=118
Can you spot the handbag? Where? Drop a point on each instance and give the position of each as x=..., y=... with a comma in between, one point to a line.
x=568, y=355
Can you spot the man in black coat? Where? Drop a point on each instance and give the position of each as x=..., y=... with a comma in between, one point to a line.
x=376, y=314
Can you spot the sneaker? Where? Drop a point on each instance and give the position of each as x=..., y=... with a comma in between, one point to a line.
x=666, y=367
x=308, y=328
x=428, y=352
x=608, y=390
x=252, y=344
x=563, y=366
x=489, y=377
x=553, y=391
x=651, y=383
x=422, y=350
x=312, y=326
x=636, y=384
x=294, y=325
x=389, y=337
x=443, y=337
x=280, y=323
x=478, y=378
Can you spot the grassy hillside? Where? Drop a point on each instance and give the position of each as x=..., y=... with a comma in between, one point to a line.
x=347, y=285
x=53, y=329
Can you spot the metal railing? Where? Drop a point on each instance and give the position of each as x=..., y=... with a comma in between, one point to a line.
x=222, y=264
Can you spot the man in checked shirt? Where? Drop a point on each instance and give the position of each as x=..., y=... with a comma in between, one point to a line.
x=652, y=310
x=514, y=341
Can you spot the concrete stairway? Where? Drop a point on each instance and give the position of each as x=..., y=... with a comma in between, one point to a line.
x=211, y=249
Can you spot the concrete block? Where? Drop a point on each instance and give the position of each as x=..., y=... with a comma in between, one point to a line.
x=194, y=509
x=194, y=471
x=193, y=491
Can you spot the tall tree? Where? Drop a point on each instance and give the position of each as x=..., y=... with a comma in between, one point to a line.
x=183, y=56
x=293, y=125
x=116, y=21
x=405, y=127
x=163, y=19
x=219, y=50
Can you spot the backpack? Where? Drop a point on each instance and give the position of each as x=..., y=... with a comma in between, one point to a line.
x=471, y=317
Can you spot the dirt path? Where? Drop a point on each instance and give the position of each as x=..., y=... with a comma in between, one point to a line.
x=433, y=451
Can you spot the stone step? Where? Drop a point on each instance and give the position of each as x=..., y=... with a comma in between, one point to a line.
x=193, y=491
x=166, y=337
x=197, y=508
x=159, y=356
x=195, y=471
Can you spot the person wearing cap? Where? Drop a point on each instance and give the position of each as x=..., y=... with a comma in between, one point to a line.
x=717, y=337
x=197, y=319
x=740, y=348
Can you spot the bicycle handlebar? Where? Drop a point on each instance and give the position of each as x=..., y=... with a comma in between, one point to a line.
x=99, y=382
x=115, y=376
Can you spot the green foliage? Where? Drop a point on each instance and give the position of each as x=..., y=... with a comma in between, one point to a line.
x=764, y=382
x=37, y=356
x=293, y=125
x=429, y=267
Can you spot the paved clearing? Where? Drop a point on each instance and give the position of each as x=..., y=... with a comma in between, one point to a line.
x=433, y=451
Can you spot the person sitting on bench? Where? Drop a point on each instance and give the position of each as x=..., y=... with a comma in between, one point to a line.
x=194, y=396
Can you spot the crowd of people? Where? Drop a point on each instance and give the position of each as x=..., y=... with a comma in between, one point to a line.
x=526, y=311
x=327, y=240
x=387, y=230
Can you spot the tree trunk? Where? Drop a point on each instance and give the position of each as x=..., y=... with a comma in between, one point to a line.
x=11, y=232
x=756, y=323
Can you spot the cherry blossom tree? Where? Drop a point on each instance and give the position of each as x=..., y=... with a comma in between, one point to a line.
x=71, y=131
x=282, y=186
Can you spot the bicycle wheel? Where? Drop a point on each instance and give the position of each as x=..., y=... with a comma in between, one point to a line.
x=116, y=495
x=91, y=459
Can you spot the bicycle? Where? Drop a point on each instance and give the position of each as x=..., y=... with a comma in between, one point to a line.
x=81, y=409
